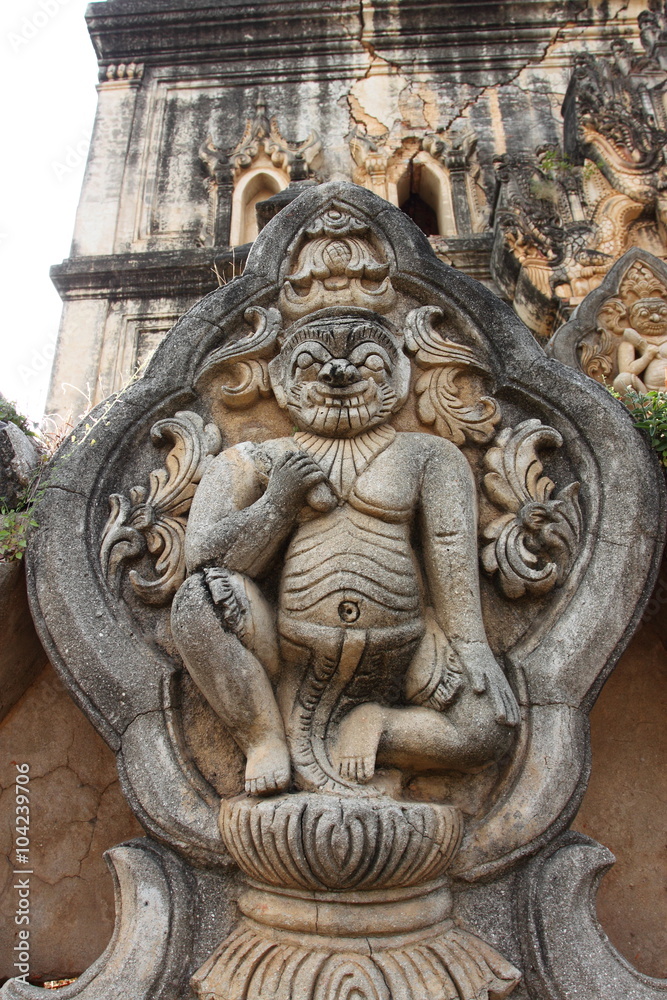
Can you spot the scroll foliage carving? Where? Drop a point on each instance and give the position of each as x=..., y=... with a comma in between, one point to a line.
x=597, y=360
x=154, y=520
x=242, y=365
x=440, y=402
x=532, y=545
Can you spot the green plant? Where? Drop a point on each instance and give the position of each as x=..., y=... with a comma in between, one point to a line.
x=558, y=166
x=14, y=525
x=649, y=413
x=10, y=414
x=16, y=515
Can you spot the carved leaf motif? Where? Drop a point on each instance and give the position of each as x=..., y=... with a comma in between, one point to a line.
x=533, y=543
x=154, y=520
x=438, y=391
x=597, y=360
x=242, y=365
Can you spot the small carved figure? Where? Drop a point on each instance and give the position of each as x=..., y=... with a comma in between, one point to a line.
x=377, y=656
x=643, y=349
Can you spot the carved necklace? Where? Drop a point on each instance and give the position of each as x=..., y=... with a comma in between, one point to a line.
x=344, y=459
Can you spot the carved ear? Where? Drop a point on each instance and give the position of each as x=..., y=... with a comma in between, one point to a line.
x=242, y=365
x=402, y=380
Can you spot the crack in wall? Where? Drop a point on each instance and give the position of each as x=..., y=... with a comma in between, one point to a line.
x=364, y=117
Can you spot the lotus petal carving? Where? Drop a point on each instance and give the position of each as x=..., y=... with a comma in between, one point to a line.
x=312, y=841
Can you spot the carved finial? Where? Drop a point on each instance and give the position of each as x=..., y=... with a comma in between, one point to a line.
x=339, y=262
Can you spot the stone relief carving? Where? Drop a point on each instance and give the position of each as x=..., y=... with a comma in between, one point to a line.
x=533, y=544
x=439, y=401
x=619, y=334
x=382, y=162
x=262, y=142
x=564, y=216
x=321, y=707
x=262, y=135
x=545, y=255
x=337, y=257
x=154, y=520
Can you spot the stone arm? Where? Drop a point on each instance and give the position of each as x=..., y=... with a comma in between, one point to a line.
x=449, y=540
x=631, y=345
x=234, y=523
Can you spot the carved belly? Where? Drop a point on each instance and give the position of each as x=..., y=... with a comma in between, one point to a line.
x=349, y=568
x=654, y=377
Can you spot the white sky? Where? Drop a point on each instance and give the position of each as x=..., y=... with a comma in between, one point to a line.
x=48, y=74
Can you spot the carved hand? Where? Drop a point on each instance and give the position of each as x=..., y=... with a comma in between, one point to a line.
x=291, y=480
x=486, y=676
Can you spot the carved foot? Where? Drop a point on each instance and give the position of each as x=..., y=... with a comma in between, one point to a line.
x=358, y=741
x=268, y=769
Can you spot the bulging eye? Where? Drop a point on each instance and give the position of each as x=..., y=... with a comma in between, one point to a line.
x=374, y=362
x=305, y=360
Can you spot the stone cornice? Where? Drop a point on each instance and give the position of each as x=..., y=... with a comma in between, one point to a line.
x=174, y=273
x=452, y=38
x=168, y=273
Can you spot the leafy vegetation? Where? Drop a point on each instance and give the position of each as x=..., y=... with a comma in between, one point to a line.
x=10, y=414
x=14, y=525
x=649, y=413
x=16, y=514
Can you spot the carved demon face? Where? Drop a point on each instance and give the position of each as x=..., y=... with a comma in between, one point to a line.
x=340, y=373
x=649, y=317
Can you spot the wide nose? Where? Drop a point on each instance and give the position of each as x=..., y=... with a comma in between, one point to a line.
x=339, y=372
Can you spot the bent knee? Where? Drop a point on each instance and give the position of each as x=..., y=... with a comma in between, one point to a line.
x=485, y=738
x=190, y=608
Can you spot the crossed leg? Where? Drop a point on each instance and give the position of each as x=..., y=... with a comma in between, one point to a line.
x=419, y=739
x=234, y=683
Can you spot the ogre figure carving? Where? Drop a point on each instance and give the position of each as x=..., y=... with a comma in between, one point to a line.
x=371, y=649
x=339, y=558
x=619, y=333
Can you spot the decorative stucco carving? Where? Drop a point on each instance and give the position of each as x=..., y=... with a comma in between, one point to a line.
x=262, y=136
x=154, y=520
x=383, y=162
x=129, y=72
x=619, y=333
x=262, y=145
x=564, y=216
x=337, y=259
x=545, y=255
x=356, y=735
x=439, y=399
x=533, y=543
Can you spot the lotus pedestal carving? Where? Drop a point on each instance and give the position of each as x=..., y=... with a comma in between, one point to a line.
x=347, y=897
x=328, y=580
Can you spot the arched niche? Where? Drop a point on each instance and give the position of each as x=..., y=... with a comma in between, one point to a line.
x=422, y=186
x=252, y=187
